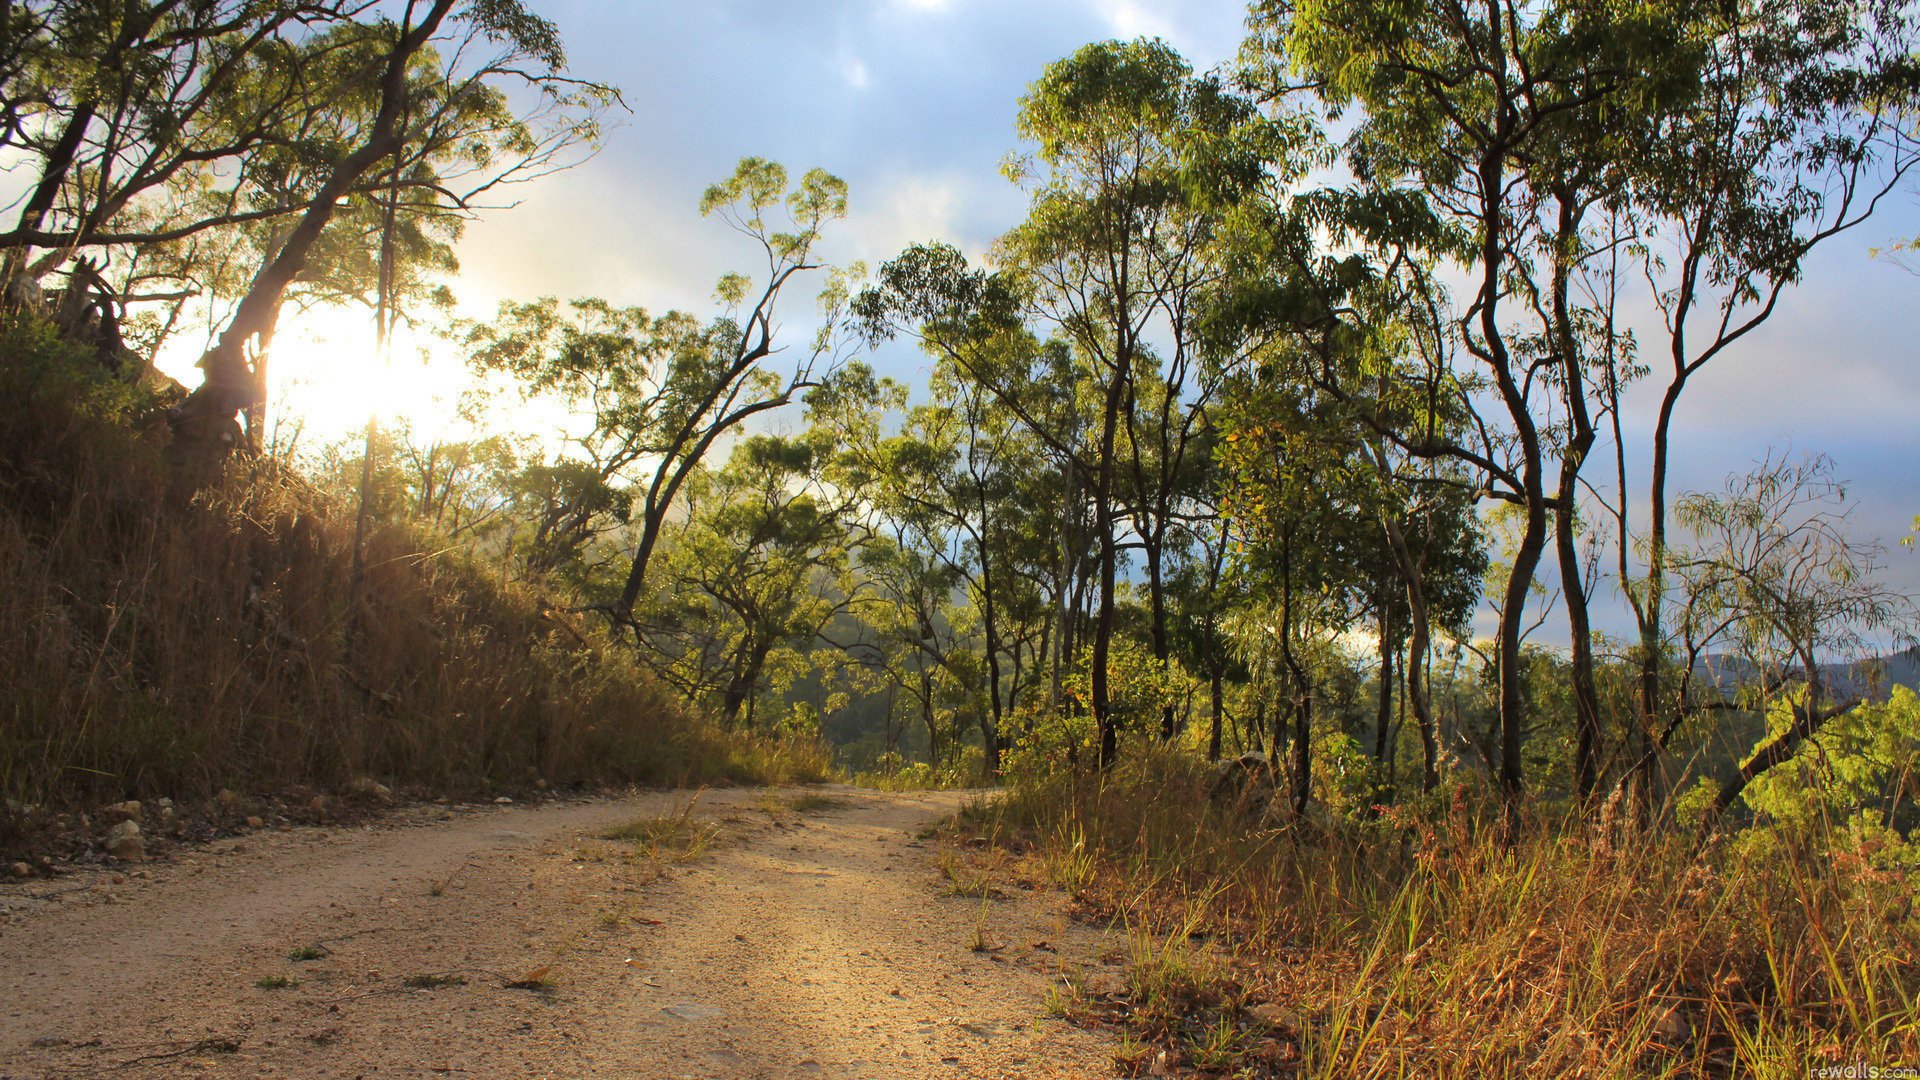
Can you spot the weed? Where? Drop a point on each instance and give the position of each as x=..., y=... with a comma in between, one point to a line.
x=981, y=942
x=963, y=880
x=305, y=953
x=675, y=836
x=433, y=982
x=813, y=803
x=276, y=982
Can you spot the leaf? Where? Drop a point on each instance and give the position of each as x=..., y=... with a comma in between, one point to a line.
x=532, y=980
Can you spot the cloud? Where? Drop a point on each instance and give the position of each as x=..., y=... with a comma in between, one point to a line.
x=854, y=71
x=1132, y=19
x=902, y=209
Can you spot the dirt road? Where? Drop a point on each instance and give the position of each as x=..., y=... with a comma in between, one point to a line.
x=822, y=943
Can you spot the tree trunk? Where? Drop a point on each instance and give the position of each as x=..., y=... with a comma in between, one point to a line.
x=1217, y=696
x=1103, y=718
x=204, y=425
x=1512, y=618
x=1384, y=713
x=1162, y=648
x=1806, y=721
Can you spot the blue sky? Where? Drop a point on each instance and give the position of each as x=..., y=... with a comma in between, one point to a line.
x=912, y=102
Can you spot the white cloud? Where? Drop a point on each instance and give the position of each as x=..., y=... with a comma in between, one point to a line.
x=903, y=209
x=854, y=71
x=1133, y=19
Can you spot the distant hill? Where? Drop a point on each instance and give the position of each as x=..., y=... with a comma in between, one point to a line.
x=1873, y=678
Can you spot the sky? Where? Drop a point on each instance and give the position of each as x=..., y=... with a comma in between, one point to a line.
x=913, y=101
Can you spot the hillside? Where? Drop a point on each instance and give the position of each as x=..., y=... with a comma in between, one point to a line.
x=160, y=643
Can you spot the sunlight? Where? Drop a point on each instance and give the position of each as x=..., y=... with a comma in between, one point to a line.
x=326, y=379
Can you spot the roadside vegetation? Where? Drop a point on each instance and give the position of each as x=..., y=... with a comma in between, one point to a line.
x=1424, y=941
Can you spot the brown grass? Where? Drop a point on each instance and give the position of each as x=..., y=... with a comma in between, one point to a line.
x=1420, y=945
x=154, y=645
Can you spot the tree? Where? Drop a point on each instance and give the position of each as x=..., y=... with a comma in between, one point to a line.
x=202, y=424
x=1773, y=574
x=1477, y=150
x=659, y=392
x=760, y=568
x=1791, y=139
x=1133, y=155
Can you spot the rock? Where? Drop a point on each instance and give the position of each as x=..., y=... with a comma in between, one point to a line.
x=504, y=801
x=256, y=822
x=691, y=1011
x=1672, y=1028
x=318, y=805
x=21, y=869
x=367, y=787
x=165, y=806
x=124, y=842
x=126, y=811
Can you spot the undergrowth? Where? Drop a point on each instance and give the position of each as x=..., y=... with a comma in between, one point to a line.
x=155, y=642
x=1423, y=944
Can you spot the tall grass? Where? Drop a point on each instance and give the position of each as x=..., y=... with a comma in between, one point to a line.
x=1425, y=945
x=157, y=644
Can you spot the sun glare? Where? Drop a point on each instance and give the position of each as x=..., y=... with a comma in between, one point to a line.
x=327, y=378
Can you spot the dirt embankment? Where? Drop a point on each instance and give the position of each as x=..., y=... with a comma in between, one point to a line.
x=522, y=942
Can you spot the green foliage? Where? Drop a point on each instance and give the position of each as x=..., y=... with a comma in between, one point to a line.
x=1861, y=771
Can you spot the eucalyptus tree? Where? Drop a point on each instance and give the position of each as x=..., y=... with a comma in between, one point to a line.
x=952, y=485
x=1474, y=118
x=1290, y=492
x=1793, y=136
x=529, y=50
x=658, y=392
x=1772, y=575
x=759, y=569
x=1133, y=153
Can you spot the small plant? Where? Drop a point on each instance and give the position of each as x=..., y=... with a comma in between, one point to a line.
x=1060, y=1001
x=305, y=953
x=276, y=982
x=813, y=803
x=965, y=881
x=677, y=836
x=433, y=981
x=981, y=942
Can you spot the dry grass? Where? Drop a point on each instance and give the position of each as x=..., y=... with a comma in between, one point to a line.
x=153, y=645
x=1422, y=946
x=677, y=836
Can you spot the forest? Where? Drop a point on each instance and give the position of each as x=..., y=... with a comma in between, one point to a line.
x=1283, y=515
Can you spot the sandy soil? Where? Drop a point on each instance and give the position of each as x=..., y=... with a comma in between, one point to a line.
x=817, y=944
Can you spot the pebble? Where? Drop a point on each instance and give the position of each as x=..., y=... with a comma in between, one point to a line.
x=256, y=822
x=21, y=869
